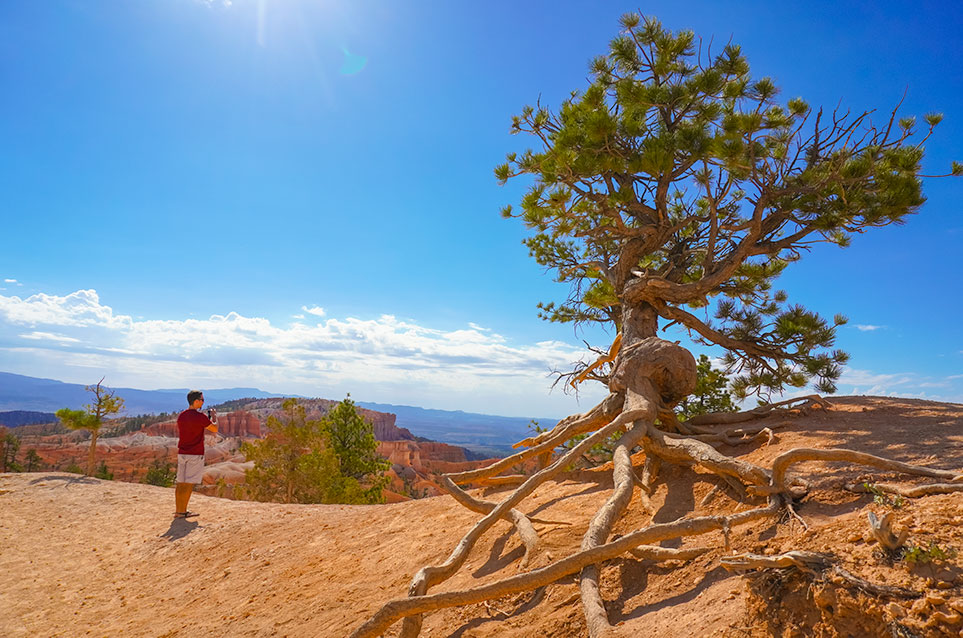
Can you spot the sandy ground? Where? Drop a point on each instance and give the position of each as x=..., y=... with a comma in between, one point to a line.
x=84, y=557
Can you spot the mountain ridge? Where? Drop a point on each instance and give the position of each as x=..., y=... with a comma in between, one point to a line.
x=482, y=434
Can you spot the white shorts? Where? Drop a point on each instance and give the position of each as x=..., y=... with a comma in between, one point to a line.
x=190, y=468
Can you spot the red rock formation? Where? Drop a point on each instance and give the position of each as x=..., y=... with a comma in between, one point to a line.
x=165, y=428
x=414, y=463
x=239, y=423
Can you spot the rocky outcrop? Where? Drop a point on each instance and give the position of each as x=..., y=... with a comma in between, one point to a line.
x=234, y=424
x=129, y=456
x=421, y=455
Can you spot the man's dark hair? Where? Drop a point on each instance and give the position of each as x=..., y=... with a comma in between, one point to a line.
x=193, y=396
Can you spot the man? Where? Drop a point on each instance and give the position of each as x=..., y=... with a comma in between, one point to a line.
x=191, y=424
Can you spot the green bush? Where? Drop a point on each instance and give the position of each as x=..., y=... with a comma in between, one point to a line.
x=160, y=473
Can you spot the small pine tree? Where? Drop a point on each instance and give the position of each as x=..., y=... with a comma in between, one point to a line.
x=104, y=473
x=353, y=442
x=710, y=395
x=32, y=462
x=160, y=473
x=9, y=446
x=91, y=418
x=298, y=461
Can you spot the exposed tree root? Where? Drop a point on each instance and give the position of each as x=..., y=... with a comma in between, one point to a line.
x=738, y=436
x=522, y=523
x=432, y=575
x=601, y=526
x=576, y=424
x=882, y=531
x=815, y=564
x=797, y=455
x=395, y=610
x=633, y=408
x=688, y=451
x=907, y=492
x=654, y=552
x=598, y=416
x=782, y=407
x=508, y=479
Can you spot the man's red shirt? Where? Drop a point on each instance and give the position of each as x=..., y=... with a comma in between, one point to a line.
x=190, y=428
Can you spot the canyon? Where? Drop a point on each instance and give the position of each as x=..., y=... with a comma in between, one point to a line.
x=415, y=462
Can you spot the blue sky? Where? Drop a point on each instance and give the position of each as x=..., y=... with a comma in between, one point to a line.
x=298, y=195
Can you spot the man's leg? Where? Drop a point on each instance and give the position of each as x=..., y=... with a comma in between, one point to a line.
x=182, y=494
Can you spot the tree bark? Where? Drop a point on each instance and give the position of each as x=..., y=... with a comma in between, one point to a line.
x=92, y=453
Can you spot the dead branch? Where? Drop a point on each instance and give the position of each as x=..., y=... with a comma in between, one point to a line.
x=729, y=418
x=882, y=531
x=815, y=564
x=608, y=358
x=397, y=609
x=907, y=492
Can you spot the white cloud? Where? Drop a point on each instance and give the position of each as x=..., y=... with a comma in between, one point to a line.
x=382, y=359
x=867, y=327
x=314, y=310
x=81, y=308
x=49, y=336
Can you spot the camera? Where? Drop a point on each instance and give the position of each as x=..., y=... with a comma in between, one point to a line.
x=212, y=415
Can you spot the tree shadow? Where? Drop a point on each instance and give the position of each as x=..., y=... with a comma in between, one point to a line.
x=590, y=489
x=66, y=480
x=496, y=562
x=679, y=499
x=180, y=527
x=635, y=575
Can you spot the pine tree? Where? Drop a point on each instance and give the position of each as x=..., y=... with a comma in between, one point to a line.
x=328, y=460
x=91, y=418
x=676, y=185
x=353, y=442
x=9, y=446
x=160, y=473
x=32, y=461
x=710, y=394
